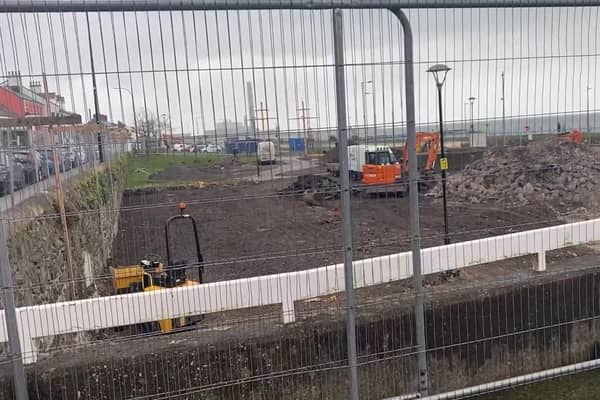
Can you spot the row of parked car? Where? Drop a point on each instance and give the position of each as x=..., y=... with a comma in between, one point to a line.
x=33, y=165
x=198, y=148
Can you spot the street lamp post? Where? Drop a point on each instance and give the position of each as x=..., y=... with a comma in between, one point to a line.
x=465, y=118
x=164, y=117
x=503, y=112
x=440, y=71
x=472, y=100
x=364, y=104
x=588, y=112
x=134, y=116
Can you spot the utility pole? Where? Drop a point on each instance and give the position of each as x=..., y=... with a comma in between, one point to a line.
x=251, y=108
x=262, y=111
x=264, y=117
x=503, y=112
x=303, y=118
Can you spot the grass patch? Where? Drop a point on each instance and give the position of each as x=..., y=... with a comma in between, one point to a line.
x=585, y=385
x=141, y=168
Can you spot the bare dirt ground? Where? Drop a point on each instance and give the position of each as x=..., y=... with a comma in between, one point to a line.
x=249, y=229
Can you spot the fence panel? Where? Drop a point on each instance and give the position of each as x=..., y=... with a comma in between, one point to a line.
x=125, y=131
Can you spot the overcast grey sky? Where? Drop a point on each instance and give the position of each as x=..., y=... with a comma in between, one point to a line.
x=194, y=64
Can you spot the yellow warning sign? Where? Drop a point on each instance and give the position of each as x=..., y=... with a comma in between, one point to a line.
x=444, y=163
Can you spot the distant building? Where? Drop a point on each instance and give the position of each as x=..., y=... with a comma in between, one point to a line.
x=19, y=102
x=225, y=130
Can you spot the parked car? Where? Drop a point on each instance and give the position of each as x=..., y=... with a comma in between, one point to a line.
x=178, y=147
x=31, y=162
x=66, y=158
x=80, y=155
x=70, y=159
x=213, y=148
x=48, y=161
x=200, y=148
x=18, y=174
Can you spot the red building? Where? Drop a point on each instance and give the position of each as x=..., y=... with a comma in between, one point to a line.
x=18, y=101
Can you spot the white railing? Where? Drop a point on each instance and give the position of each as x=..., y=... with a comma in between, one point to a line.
x=285, y=288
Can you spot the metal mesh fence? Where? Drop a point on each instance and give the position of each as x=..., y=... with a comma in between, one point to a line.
x=174, y=209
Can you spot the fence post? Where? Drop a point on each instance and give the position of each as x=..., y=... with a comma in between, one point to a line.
x=10, y=314
x=340, y=91
x=413, y=181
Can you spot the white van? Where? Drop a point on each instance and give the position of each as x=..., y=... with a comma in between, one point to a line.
x=266, y=153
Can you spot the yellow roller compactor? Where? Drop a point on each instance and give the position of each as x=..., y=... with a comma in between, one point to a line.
x=153, y=274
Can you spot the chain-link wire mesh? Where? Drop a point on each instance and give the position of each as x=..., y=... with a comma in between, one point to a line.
x=171, y=200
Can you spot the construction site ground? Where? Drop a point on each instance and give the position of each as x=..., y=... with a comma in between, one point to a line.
x=251, y=227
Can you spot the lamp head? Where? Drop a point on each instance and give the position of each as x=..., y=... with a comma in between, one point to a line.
x=439, y=72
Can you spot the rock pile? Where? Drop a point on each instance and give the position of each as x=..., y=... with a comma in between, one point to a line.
x=552, y=171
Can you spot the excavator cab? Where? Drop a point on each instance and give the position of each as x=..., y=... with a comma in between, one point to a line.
x=575, y=136
x=152, y=274
x=381, y=167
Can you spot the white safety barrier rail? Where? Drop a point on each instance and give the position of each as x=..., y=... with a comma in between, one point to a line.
x=286, y=288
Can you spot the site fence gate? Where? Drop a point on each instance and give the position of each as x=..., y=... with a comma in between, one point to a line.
x=270, y=199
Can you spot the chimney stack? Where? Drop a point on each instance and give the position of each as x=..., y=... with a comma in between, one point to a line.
x=36, y=86
x=15, y=82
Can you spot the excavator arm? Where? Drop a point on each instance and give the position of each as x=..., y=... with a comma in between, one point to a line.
x=433, y=140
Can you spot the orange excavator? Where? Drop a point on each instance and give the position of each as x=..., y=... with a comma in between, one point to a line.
x=382, y=168
x=575, y=136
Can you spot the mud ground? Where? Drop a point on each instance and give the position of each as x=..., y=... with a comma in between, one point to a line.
x=248, y=229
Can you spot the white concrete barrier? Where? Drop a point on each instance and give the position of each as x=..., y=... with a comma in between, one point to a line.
x=285, y=288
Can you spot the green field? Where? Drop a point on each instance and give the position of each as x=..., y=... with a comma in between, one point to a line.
x=579, y=386
x=140, y=168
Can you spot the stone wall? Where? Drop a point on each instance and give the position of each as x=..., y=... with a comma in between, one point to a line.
x=37, y=245
x=474, y=336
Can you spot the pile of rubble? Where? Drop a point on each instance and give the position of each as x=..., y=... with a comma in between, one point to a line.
x=551, y=170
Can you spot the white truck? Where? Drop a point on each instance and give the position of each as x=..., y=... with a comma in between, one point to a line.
x=266, y=153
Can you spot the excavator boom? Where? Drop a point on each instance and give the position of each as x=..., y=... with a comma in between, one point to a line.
x=432, y=139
